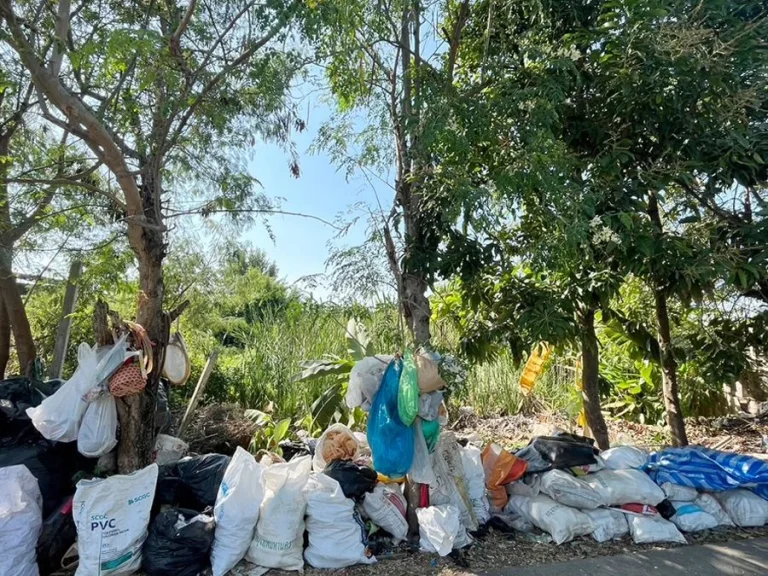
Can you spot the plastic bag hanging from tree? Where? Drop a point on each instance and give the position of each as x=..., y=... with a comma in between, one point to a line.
x=98, y=430
x=408, y=392
x=391, y=441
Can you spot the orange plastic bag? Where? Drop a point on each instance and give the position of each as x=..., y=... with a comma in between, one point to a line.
x=500, y=469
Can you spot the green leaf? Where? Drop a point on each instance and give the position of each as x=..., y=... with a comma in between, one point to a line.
x=357, y=339
x=315, y=369
x=281, y=429
x=325, y=406
x=258, y=417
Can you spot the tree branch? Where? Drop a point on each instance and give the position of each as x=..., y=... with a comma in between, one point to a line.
x=60, y=36
x=178, y=311
x=95, y=135
x=184, y=24
x=204, y=211
x=712, y=207
x=224, y=72
x=455, y=40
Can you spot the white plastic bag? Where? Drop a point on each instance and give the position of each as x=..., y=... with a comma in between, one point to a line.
x=624, y=458
x=386, y=507
x=711, y=506
x=278, y=541
x=563, y=523
x=364, y=381
x=112, y=517
x=330, y=443
x=679, y=493
x=571, y=491
x=474, y=476
x=98, y=430
x=439, y=528
x=236, y=511
x=421, y=469
x=169, y=449
x=618, y=487
x=21, y=518
x=337, y=536
x=429, y=405
x=609, y=524
x=653, y=529
x=691, y=518
x=58, y=417
x=745, y=508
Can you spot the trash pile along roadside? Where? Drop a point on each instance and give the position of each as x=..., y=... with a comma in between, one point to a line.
x=350, y=494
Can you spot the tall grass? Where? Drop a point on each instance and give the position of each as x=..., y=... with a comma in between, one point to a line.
x=261, y=373
x=493, y=389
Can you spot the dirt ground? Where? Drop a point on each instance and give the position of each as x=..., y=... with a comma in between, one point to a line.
x=730, y=433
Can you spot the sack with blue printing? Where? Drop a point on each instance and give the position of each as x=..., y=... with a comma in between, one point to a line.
x=112, y=517
x=236, y=511
x=692, y=518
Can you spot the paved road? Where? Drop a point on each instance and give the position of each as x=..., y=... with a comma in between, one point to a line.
x=742, y=558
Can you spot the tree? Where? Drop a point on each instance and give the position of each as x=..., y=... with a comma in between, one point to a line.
x=641, y=99
x=38, y=174
x=385, y=60
x=164, y=95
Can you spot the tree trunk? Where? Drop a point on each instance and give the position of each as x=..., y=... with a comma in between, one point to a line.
x=415, y=288
x=668, y=363
x=137, y=412
x=17, y=314
x=669, y=373
x=589, y=380
x=5, y=338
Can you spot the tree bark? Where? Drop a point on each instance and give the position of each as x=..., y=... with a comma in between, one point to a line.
x=137, y=412
x=669, y=373
x=17, y=314
x=668, y=363
x=590, y=384
x=420, y=312
x=5, y=338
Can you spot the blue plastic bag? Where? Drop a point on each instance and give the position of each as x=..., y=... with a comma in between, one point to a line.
x=391, y=441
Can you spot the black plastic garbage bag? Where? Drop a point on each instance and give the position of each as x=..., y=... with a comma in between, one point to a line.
x=560, y=451
x=54, y=464
x=666, y=509
x=16, y=395
x=192, y=482
x=293, y=449
x=355, y=480
x=56, y=537
x=178, y=543
x=163, y=419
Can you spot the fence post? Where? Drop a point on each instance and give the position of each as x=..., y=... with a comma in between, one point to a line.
x=198, y=393
x=65, y=324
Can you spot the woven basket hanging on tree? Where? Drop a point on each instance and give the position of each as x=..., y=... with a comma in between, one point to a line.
x=131, y=377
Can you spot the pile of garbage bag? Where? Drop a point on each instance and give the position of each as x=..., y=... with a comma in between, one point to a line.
x=61, y=432
x=336, y=501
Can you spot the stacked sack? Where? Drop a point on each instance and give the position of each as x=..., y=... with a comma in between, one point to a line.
x=572, y=490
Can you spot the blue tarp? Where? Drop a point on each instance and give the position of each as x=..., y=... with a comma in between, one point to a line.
x=710, y=470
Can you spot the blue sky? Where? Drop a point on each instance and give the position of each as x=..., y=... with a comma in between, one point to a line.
x=300, y=247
